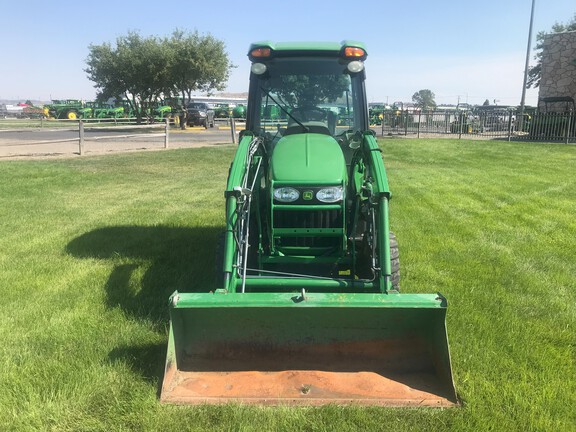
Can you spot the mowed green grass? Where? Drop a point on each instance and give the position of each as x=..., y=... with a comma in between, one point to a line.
x=91, y=248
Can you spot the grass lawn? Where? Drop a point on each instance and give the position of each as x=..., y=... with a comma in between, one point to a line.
x=91, y=248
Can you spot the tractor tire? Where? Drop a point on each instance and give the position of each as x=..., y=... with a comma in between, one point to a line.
x=394, y=262
x=71, y=115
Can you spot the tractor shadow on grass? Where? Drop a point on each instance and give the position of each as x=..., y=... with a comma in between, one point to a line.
x=150, y=263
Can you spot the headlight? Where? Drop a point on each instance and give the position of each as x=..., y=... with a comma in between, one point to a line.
x=330, y=195
x=286, y=194
x=355, y=66
x=258, y=68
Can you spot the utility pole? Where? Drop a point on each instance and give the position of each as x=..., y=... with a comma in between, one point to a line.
x=523, y=100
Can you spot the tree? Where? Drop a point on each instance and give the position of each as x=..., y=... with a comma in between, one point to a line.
x=145, y=70
x=198, y=63
x=535, y=72
x=424, y=99
x=486, y=102
x=134, y=69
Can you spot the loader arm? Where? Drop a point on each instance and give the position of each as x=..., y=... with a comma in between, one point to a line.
x=380, y=196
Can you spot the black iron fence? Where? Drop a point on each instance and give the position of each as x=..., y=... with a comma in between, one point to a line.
x=494, y=124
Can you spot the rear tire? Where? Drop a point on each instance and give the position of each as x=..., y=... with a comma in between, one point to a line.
x=394, y=262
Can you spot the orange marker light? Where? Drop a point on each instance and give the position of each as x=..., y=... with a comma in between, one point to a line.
x=354, y=52
x=260, y=52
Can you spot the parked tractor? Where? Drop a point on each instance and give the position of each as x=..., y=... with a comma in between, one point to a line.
x=239, y=112
x=104, y=111
x=70, y=109
x=222, y=110
x=376, y=113
x=308, y=308
x=162, y=112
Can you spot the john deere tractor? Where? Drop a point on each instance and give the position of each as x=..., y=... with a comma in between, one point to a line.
x=70, y=109
x=308, y=308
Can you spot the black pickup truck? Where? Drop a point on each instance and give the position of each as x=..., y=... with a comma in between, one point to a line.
x=199, y=114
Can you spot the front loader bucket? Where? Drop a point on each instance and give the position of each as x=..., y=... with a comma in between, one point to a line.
x=281, y=348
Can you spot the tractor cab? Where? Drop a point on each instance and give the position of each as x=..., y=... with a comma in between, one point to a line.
x=308, y=107
x=299, y=89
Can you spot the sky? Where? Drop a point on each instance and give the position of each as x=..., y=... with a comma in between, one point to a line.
x=463, y=51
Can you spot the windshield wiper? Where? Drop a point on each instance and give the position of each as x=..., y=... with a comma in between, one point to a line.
x=284, y=110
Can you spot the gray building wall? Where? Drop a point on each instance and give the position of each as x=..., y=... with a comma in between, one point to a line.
x=558, y=68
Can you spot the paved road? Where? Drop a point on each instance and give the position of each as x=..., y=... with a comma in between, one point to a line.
x=29, y=143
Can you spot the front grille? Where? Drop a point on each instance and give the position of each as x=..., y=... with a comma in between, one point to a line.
x=308, y=219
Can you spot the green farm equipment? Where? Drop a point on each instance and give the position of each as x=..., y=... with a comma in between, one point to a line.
x=376, y=114
x=105, y=111
x=162, y=112
x=70, y=109
x=239, y=112
x=307, y=308
x=222, y=110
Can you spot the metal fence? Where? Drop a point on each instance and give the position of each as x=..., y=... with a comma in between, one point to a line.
x=494, y=124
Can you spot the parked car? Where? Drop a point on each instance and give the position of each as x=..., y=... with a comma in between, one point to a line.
x=200, y=114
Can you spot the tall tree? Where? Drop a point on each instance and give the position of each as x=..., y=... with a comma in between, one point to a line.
x=199, y=63
x=535, y=72
x=135, y=69
x=144, y=70
x=424, y=99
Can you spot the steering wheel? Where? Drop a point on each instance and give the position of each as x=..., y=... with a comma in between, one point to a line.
x=309, y=113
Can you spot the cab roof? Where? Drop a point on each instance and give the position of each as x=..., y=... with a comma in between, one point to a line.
x=288, y=49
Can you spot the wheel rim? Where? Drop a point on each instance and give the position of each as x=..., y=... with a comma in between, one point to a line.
x=72, y=115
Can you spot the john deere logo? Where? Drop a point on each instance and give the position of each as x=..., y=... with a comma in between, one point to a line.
x=307, y=195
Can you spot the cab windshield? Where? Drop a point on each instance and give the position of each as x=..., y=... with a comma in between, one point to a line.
x=301, y=95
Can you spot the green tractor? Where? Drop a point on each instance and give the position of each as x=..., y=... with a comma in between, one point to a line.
x=68, y=109
x=376, y=113
x=162, y=112
x=105, y=111
x=222, y=110
x=239, y=111
x=308, y=308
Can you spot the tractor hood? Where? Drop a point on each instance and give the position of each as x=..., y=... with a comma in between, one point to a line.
x=308, y=158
